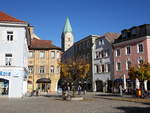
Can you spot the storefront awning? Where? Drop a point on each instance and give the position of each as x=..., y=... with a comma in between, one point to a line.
x=43, y=80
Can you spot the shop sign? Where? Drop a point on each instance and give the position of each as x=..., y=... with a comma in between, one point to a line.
x=2, y=73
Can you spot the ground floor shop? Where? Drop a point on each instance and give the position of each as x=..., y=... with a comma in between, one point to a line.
x=13, y=82
x=43, y=85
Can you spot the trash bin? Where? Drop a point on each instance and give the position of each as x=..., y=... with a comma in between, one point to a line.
x=139, y=92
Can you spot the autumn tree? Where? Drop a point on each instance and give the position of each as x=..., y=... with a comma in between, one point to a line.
x=141, y=72
x=75, y=70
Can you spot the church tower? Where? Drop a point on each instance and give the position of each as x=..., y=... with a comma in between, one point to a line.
x=67, y=38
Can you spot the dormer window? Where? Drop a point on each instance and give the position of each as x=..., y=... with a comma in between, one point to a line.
x=134, y=31
x=124, y=34
x=9, y=36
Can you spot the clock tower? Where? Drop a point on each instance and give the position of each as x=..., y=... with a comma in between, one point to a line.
x=67, y=37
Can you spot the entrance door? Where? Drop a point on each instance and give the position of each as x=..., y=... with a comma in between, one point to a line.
x=99, y=86
x=44, y=87
x=4, y=87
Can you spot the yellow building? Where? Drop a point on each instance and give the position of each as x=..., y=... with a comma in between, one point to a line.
x=44, y=68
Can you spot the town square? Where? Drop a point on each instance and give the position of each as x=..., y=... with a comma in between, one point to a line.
x=75, y=56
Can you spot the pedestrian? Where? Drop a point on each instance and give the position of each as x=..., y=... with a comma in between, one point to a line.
x=120, y=90
x=79, y=90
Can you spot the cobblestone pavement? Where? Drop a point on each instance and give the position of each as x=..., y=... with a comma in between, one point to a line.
x=54, y=104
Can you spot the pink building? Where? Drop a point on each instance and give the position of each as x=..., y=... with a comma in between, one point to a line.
x=131, y=48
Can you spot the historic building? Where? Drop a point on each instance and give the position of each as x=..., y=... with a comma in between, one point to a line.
x=67, y=37
x=44, y=68
x=103, y=62
x=14, y=42
x=82, y=49
x=131, y=48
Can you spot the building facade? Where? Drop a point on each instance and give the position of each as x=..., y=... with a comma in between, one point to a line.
x=67, y=38
x=82, y=49
x=44, y=68
x=14, y=42
x=103, y=62
x=131, y=49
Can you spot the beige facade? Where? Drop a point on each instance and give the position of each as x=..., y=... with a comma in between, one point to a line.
x=44, y=59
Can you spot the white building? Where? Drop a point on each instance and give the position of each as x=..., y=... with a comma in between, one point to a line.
x=14, y=42
x=103, y=62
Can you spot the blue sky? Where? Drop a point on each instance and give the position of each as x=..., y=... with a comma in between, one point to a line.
x=86, y=16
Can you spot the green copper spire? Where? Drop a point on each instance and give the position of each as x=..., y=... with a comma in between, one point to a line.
x=67, y=27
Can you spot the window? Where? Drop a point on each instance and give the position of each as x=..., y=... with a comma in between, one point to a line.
x=124, y=34
x=52, y=54
x=117, y=52
x=101, y=42
x=97, y=55
x=128, y=64
x=68, y=39
x=118, y=66
x=30, y=54
x=134, y=31
x=140, y=48
x=96, y=69
x=128, y=51
x=106, y=52
x=8, y=59
x=107, y=67
x=58, y=69
x=30, y=69
x=103, y=68
x=58, y=55
x=140, y=60
x=41, y=71
x=52, y=69
x=42, y=54
x=9, y=35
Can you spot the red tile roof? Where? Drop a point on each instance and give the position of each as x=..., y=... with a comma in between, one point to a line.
x=7, y=18
x=42, y=45
x=111, y=36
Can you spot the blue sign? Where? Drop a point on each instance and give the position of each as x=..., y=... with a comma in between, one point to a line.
x=5, y=73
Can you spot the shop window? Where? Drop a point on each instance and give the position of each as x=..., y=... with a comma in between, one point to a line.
x=9, y=36
x=8, y=59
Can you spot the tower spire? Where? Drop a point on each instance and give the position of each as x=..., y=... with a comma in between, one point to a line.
x=67, y=27
x=67, y=37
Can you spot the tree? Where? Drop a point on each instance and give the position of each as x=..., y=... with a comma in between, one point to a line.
x=141, y=72
x=74, y=71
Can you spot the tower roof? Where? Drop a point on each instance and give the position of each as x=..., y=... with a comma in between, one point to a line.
x=67, y=27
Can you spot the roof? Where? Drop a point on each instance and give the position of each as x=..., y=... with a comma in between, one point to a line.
x=67, y=27
x=7, y=18
x=110, y=36
x=42, y=45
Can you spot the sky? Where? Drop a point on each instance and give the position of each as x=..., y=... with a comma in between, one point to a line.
x=87, y=17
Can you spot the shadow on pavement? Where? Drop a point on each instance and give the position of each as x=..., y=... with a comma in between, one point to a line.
x=135, y=109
